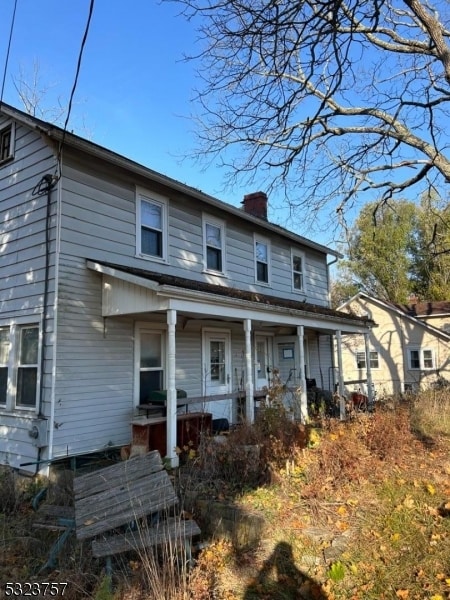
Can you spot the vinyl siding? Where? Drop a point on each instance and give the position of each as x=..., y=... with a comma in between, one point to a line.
x=392, y=339
x=99, y=222
x=94, y=367
x=22, y=251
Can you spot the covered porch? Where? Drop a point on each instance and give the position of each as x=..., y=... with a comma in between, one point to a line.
x=221, y=347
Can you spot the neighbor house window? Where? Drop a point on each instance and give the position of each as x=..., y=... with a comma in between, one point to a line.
x=421, y=358
x=27, y=367
x=361, y=360
x=4, y=361
x=298, y=271
x=214, y=245
x=6, y=143
x=262, y=261
x=152, y=226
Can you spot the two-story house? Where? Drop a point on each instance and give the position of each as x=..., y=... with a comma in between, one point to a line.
x=117, y=281
x=407, y=351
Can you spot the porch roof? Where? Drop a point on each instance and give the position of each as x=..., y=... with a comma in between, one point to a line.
x=169, y=286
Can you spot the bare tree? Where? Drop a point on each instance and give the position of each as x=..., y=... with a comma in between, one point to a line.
x=331, y=100
x=33, y=95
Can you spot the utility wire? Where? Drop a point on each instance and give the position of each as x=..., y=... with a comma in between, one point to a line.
x=7, y=52
x=80, y=56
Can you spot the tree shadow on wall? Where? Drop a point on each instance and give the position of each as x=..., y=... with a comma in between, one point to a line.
x=280, y=579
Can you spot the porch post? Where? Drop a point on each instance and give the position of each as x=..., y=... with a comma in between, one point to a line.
x=340, y=376
x=171, y=423
x=249, y=401
x=303, y=392
x=369, y=369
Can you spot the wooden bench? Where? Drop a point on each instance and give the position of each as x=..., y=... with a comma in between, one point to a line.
x=113, y=506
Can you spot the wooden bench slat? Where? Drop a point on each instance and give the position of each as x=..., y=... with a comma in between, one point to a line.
x=107, y=478
x=172, y=529
x=54, y=517
x=109, y=510
x=104, y=523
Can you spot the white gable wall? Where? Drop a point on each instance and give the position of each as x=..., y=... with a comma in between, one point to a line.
x=22, y=256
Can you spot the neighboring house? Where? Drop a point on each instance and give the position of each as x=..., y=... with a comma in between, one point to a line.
x=117, y=281
x=407, y=350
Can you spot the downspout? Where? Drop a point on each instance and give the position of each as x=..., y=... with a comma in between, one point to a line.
x=44, y=187
x=328, y=279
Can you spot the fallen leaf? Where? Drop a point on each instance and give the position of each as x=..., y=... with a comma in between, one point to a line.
x=430, y=489
x=402, y=593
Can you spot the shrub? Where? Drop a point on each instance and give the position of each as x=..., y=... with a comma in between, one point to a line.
x=9, y=493
x=388, y=433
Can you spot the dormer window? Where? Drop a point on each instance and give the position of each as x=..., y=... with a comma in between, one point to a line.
x=6, y=143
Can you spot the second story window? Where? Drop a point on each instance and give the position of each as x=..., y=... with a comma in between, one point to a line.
x=298, y=271
x=6, y=143
x=214, y=245
x=151, y=232
x=262, y=255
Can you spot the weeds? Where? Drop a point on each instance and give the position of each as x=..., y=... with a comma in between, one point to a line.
x=372, y=478
x=430, y=413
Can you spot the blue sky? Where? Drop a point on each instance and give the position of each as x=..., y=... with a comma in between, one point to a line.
x=135, y=92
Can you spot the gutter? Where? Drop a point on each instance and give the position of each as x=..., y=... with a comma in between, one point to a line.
x=91, y=148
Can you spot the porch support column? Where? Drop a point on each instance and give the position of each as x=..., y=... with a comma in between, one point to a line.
x=340, y=376
x=302, y=378
x=369, y=370
x=249, y=388
x=171, y=422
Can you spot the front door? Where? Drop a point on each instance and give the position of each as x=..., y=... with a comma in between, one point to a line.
x=217, y=372
x=263, y=362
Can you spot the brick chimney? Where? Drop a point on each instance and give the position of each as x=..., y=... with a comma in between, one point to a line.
x=256, y=204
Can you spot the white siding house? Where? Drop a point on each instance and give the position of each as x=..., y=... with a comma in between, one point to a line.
x=117, y=281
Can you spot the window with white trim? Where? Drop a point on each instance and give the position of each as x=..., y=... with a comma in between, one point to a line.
x=27, y=367
x=4, y=362
x=421, y=359
x=214, y=244
x=262, y=261
x=151, y=363
x=298, y=271
x=19, y=366
x=151, y=231
x=7, y=143
x=361, y=360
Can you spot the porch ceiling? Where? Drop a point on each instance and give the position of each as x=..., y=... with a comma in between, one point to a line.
x=129, y=291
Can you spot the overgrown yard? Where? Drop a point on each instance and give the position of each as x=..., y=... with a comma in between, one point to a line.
x=353, y=510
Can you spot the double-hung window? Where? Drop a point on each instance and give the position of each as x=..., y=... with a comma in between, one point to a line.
x=151, y=226
x=27, y=367
x=421, y=358
x=19, y=366
x=214, y=245
x=6, y=142
x=361, y=360
x=298, y=271
x=151, y=363
x=262, y=261
x=4, y=362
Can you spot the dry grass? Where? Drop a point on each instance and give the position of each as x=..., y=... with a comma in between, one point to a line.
x=380, y=483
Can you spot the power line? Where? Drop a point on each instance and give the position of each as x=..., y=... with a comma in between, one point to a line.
x=7, y=52
x=80, y=56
